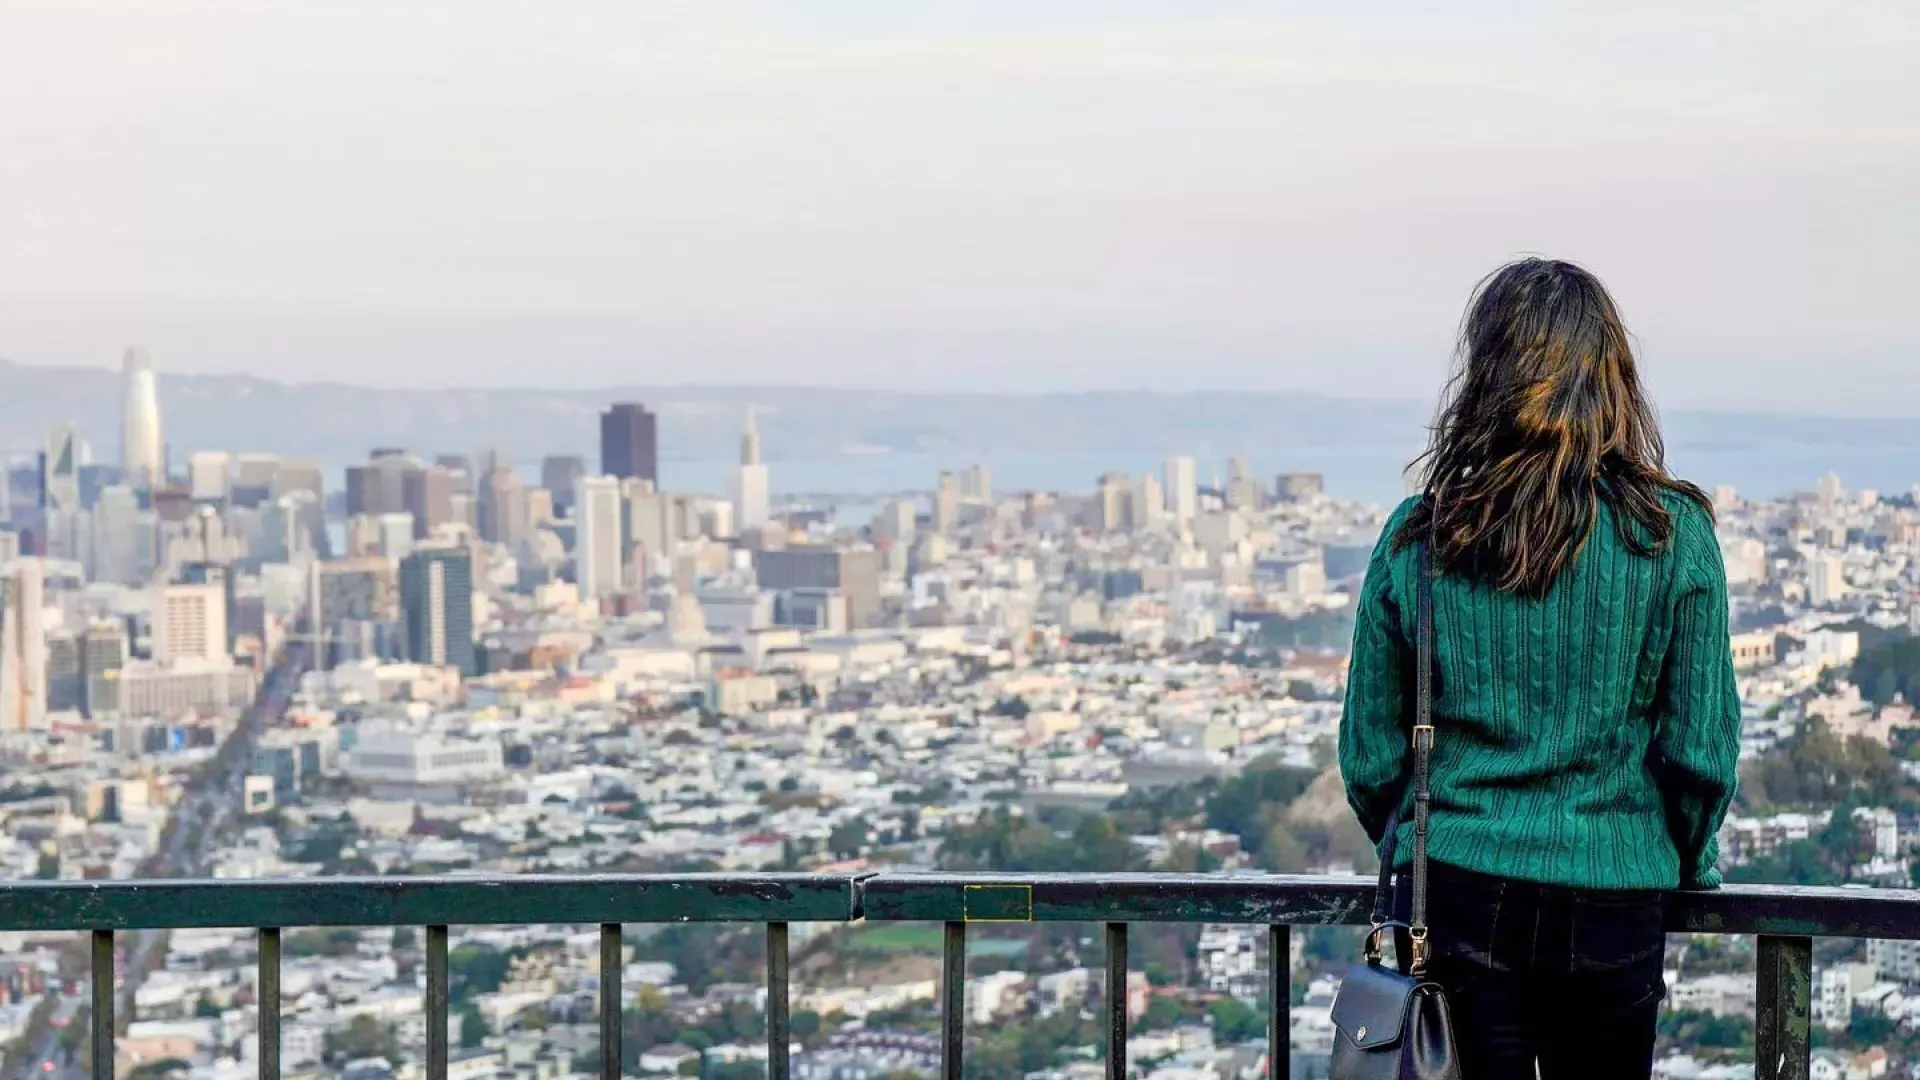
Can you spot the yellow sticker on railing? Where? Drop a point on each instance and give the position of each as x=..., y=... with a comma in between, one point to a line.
x=997, y=903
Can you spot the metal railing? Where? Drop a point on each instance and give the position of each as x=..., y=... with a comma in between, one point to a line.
x=1785, y=920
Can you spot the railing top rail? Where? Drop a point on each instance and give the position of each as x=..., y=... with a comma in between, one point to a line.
x=1323, y=899
x=658, y=898
x=426, y=901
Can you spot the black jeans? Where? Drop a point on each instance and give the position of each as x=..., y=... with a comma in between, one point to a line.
x=1569, y=979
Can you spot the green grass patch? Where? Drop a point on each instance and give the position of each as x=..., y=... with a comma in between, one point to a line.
x=896, y=938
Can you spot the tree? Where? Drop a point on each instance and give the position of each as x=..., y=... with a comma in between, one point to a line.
x=848, y=838
x=1163, y=1011
x=364, y=1037
x=804, y=1024
x=1888, y=666
x=473, y=1027
x=474, y=970
x=1234, y=1021
x=404, y=938
x=1282, y=852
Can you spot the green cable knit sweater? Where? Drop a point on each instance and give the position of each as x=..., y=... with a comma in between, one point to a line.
x=1587, y=738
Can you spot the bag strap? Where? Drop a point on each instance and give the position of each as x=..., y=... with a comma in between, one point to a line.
x=1422, y=799
x=1422, y=751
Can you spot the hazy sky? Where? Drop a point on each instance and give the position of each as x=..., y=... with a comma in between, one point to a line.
x=1013, y=195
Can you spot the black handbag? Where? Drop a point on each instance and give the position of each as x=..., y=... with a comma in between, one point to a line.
x=1393, y=1024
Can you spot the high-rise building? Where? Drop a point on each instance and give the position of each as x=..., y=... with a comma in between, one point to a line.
x=103, y=653
x=60, y=472
x=397, y=533
x=854, y=573
x=598, y=546
x=224, y=577
x=1149, y=503
x=539, y=509
x=427, y=494
x=560, y=474
x=1183, y=489
x=380, y=485
x=976, y=484
x=747, y=487
x=1110, y=499
x=207, y=479
x=651, y=529
x=629, y=443
x=65, y=690
x=1826, y=580
x=1297, y=486
x=23, y=646
x=946, y=505
x=189, y=623
x=143, y=462
x=895, y=522
x=123, y=538
x=1243, y=488
x=461, y=466
x=502, y=506
x=1831, y=489
x=436, y=598
x=253, y=479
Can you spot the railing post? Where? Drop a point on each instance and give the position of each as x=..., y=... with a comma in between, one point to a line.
x=1116, y=1001
x=613, y=962
x=778, y=1031
x=953, y=1001
x=1279, y=1002
x=267, y=989
x=436, y=1003
x=103, y=991
x=1783, y=1027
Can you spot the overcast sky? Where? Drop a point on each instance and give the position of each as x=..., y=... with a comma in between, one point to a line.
x=1017, y=195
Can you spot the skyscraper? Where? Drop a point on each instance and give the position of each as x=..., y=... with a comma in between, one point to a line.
x=854, y=573
x=1243, y=488
x=747, y=487
x=946, y=504
x=436, y=600
x=60, y=507
x=1149, y=503
x=1183, y=489
x=189, y=622
x=23, y=646
x=1110, y=499
x=503, y=506
x=560, y=474
x=142, y=453
x=207, y=475
x=60, y=472
x=223, y=577
x=123, y=538
x=629, y=443
x=427, y=495
x=597, y=548
x=976, y=484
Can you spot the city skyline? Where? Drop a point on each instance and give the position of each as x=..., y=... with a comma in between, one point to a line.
x=1226, y=195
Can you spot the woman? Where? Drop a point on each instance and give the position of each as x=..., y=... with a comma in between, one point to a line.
x=1587, y=725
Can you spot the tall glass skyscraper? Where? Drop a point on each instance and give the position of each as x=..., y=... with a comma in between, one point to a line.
x=436, y=599
x=629, y=443
x=142, y=457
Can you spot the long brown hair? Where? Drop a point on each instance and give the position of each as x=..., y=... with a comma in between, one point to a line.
x=1542, y=421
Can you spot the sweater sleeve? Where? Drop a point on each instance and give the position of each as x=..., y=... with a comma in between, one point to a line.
x=1697, y=744
x=1375, y=752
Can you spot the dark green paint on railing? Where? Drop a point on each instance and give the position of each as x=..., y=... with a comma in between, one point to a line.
x=406, y=901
